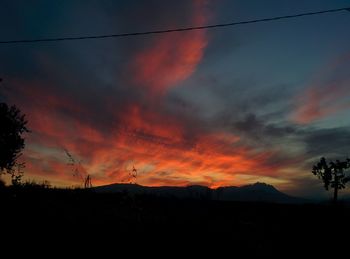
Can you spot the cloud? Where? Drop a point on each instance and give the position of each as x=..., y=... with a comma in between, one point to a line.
x=333, y=143
x=172, y=57
x=259, y=129
x=327, y=95
x=152, y=141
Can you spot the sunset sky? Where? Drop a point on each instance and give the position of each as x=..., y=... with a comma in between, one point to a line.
x=217, y=107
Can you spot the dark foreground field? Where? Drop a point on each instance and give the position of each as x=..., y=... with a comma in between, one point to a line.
x=258, y=227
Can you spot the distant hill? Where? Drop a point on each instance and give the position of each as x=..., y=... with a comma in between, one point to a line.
x=261, y=192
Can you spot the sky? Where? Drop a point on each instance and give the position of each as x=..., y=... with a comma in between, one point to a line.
x=217, y=107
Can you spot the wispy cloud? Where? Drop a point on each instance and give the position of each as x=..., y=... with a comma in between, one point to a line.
x=327, y=95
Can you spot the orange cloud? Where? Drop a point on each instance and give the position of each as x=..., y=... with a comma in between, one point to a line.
x=154, y=143
x=157, y=144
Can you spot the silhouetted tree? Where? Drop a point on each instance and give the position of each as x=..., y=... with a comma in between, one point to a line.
x=12, y=126
x=332, y=174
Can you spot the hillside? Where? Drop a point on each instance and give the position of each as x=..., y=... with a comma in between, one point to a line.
x=255, y=192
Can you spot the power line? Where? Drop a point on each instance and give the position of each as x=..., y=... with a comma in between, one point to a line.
x=175, y=30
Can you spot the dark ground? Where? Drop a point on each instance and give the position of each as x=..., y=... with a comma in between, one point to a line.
x=254, y=227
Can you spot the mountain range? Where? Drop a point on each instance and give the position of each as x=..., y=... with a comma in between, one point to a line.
x=261, y=192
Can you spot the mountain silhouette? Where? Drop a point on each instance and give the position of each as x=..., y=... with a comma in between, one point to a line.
x=260, y=192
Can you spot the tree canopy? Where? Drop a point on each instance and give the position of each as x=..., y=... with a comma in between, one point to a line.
x=12, y=126
x=332, y=174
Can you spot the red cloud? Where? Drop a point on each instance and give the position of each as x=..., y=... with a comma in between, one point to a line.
x=173, y=57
